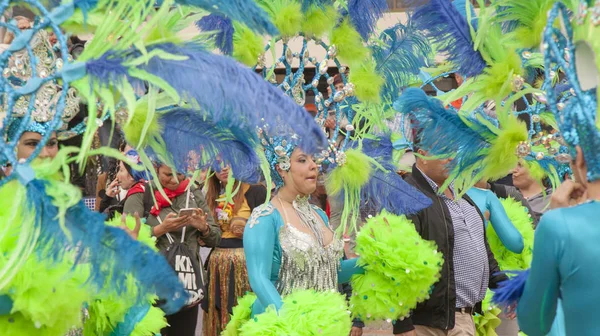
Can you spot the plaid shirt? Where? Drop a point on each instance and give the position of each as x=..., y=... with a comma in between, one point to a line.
x=471, y=264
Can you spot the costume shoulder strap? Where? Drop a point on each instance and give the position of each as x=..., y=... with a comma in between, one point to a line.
x=260, y=211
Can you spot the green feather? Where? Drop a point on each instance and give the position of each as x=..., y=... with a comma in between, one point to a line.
x=348, y=179
x=367, y=81
x=247, y=46
x=305, y=312
x=350, y=46
x=319, y=21
x=530, y=18
x=241, y=314
x=285, y=14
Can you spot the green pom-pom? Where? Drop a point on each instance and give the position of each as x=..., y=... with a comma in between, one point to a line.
x=400, y=268
x=367, y=81
x=350, y=46
x=304, y=312
x=521, y=219
x=241, y=314
x=486, y=324
x=318, y=21
x=247, y=46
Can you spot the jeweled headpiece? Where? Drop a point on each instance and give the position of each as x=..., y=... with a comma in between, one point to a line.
x=21, y=68
x=577, y=52
x=278, y=149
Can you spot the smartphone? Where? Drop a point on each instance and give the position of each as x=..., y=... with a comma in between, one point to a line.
x=187, y=212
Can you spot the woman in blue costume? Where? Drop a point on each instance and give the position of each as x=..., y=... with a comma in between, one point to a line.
x=287, y=242
x=565, y=254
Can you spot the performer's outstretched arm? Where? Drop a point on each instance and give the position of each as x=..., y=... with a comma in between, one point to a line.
x=506, y=231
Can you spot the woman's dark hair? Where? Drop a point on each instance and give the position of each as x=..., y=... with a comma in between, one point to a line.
x=213, y=192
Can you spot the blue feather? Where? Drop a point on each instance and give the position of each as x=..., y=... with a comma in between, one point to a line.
x=461, y=7
x=109, y=70
x=510, y=291
x=449, y=29
x=223, y=28
x=111, y=254
x=380, y=148
x=186, y=130
x=232, y=93
x=507, y=25
x=405, y=52
x=244, y=11
x=364, y=15
x=386, y=190
x=306, y=4
x=442, y=131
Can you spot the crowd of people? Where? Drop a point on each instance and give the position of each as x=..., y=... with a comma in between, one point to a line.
x=246, y=210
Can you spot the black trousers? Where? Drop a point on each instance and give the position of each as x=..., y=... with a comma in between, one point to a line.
x=182, y=323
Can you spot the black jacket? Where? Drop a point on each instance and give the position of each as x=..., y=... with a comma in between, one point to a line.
x=435, y=223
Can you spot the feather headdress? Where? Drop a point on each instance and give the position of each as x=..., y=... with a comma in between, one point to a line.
x=478, y=149
x=450, y=32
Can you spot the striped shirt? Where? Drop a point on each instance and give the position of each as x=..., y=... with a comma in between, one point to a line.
x=471, y=265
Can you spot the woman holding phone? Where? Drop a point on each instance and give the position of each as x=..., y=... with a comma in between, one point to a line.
x=227, y=274
x=168, y=223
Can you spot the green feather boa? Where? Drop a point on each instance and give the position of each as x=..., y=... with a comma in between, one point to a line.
x=303, y=312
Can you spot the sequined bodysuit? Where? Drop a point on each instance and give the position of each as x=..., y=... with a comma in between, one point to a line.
x=281, y=258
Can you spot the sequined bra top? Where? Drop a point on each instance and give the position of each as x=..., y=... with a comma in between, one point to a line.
x=304, y=263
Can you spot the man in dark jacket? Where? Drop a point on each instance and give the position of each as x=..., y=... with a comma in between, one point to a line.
x=457, y=227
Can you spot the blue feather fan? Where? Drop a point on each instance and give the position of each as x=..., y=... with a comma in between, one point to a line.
x=185, y=130
x=405, y=52
x=244, y=11
x=438, y=129
x=110, y=252
x=446, y=26
x=364, y=15
x=223, y=28
x=234, y=94
x=510, y=291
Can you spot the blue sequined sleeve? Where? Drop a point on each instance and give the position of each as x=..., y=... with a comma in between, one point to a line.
x=537, y=306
